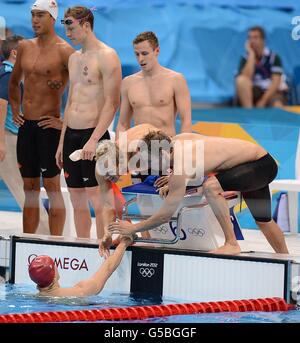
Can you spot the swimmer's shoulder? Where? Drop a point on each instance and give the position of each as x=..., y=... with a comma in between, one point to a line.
x=65, y=46
x=26, y=43
x=106, y=52
x=65, y=50
x=75, y=56
x=171, y=73
x=131, y=79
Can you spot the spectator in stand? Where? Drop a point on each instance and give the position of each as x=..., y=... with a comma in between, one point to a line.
x=260, y=81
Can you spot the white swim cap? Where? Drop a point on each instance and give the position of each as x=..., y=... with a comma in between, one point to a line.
x=46, y=5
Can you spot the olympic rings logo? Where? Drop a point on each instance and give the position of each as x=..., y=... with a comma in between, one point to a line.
x=147, y=272
x=194, y=231
x=162, y=229
x=54, y=84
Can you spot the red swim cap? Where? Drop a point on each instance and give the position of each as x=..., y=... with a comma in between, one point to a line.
x=42, y=270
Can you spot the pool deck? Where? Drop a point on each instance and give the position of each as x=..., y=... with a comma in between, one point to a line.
x=254, y=244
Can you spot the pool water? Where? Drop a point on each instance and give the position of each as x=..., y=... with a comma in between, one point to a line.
x=22, y=299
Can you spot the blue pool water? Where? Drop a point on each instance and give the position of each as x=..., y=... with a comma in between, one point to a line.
x=22, y=299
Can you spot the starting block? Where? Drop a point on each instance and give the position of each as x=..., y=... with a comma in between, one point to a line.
x=193, y=226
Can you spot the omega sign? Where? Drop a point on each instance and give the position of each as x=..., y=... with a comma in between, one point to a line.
x=66, y=263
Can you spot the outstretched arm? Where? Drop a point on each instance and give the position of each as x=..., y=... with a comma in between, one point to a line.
x=109, y=213
x=96, y=282
x=163, y=215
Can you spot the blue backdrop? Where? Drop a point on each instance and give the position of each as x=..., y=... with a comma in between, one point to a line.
x=203, y=42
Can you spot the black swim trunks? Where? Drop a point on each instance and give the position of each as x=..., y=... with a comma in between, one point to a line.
x=252, y=179
x=36, y=149
x=81, y=173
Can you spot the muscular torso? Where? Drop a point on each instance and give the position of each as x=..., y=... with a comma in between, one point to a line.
x=45, y=78
x=220, y=153
x=152, y=100
x=87, y=99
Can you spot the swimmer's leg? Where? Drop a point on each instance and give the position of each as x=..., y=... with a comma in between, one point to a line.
x=31, y=209
x=57, y=210
x=82, y=215
x=259, y=204
x=212, y=191
x=94, y=195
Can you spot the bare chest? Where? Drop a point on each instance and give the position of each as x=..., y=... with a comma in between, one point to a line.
x=42, y=63
x=85, y=71
x=151, y=93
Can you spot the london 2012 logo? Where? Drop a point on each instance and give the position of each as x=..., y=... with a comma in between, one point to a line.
x=147, y=272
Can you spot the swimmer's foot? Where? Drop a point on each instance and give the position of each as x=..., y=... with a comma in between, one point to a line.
x=227, y=249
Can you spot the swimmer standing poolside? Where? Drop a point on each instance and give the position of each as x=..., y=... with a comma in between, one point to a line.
x=94, y=96
x=155, y=94
x=44, y=63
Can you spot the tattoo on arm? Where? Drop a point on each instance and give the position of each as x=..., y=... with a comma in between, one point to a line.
x=54, y=84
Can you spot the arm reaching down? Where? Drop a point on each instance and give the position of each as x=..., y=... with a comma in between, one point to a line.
x=109, y=213
x=163, y=215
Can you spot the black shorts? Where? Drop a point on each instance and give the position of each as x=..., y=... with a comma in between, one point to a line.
x=36, y=149
x=252, y=180
x=81, y=173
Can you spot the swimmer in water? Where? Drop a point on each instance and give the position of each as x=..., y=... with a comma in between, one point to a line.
x=44, y=273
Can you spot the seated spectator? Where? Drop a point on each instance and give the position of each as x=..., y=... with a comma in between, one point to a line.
x=8, y=33
x=260, y=81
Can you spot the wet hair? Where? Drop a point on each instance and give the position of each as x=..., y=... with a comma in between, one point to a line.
x=82, y=14
x=258, y=29
x=107, y=148
x=147, y=36
x=159, y=137
x=11, y=43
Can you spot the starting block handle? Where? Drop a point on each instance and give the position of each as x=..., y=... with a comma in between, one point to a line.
x=125, y=216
